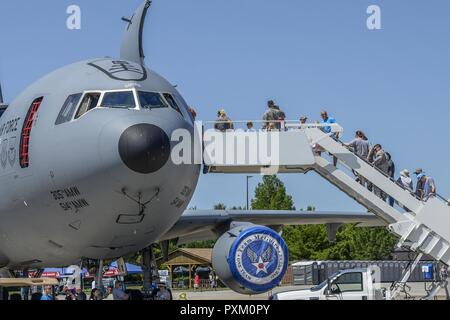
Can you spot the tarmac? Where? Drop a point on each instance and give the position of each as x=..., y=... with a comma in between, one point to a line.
x=416, y=291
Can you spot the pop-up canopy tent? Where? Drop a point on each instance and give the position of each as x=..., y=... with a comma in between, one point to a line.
x=181, y=271
x=131, y=269
x=203, y=272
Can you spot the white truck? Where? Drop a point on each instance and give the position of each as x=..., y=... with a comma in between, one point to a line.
x=354, y=284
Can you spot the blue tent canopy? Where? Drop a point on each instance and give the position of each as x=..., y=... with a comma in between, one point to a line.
x=131, y=268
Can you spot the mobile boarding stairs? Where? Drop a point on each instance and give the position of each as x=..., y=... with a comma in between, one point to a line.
x=422, y=226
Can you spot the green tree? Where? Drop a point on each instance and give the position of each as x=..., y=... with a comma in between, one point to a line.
x=352, y=243
x=362, y=244
x=305, y=242
x=200, y=245
x=271, y=195
x=220, y=206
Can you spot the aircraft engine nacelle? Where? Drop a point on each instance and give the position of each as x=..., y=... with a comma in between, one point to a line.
x=250, y=259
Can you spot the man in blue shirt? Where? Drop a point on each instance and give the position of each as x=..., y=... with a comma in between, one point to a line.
x=118, y=293
x=326, y=119
x=47, y=296
x=328, y=130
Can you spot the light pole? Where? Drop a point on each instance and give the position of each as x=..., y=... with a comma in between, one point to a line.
x=248, y=177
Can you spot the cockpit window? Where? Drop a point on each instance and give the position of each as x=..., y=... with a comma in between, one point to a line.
x=89, y=102
x=124, y=99
x=151, y=100
x=181, y=102
x=68, y=109
x=172, y=102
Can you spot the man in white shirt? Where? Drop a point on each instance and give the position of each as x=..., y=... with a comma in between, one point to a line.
x=405, y=180
x=110, y=295
x=250, y=127
x=303, y=121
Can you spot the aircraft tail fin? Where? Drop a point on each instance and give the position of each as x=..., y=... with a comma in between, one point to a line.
x=132, y=48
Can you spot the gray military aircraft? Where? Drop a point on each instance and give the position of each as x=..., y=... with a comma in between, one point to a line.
x=85, y=172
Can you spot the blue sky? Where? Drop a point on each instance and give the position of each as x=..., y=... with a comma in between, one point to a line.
x=393, y=83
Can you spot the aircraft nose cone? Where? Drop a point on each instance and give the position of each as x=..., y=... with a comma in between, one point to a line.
x=144, y=148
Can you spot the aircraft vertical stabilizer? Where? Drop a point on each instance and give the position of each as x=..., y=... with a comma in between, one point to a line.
x=132, y=49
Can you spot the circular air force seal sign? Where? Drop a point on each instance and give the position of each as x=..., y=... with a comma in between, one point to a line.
x=258, y=259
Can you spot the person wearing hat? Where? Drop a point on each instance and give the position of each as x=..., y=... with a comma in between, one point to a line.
x=163, y=294
x=303, y=121
x=429, y=187
x=223, y=123
x=219, y=125
x=405, y=181
x=380, y=161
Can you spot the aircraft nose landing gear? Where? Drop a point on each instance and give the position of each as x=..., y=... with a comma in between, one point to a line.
x=150, y=271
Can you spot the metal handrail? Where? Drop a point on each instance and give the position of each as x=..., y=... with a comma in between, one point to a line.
x=392, y=179
x=287, y=124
